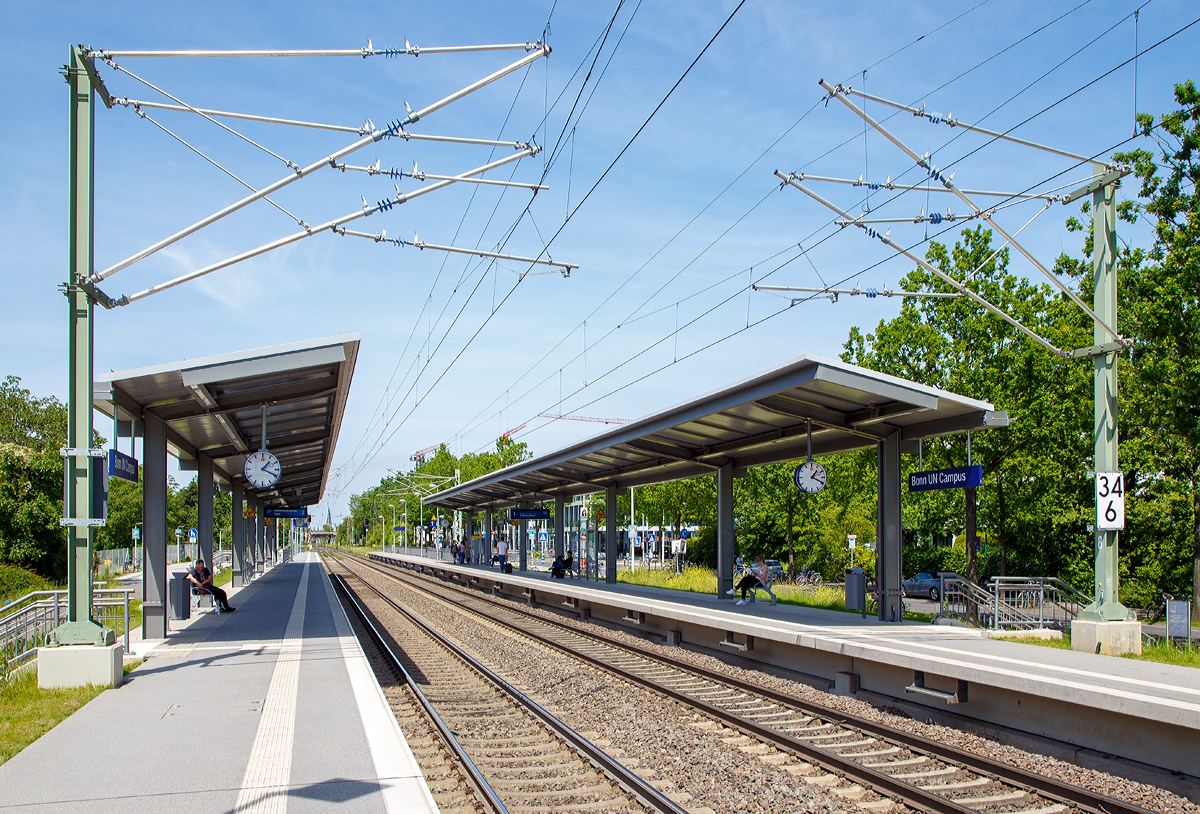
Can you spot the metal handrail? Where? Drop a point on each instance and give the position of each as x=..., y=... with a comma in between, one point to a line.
x=1013, y=603
x=26, y=623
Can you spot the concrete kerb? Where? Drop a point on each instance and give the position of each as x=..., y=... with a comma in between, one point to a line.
x=1058, y=701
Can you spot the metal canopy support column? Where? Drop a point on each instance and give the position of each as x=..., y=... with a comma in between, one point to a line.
x=486, y=559
x=1106, y=606
x=725, y=541
x=154, y=528
x=889, y=540
x=239, y=536
x=610, y=534
x=523, y=542
x=260, y=536
x=204, y=509
x=560, y=531
x=469, y=532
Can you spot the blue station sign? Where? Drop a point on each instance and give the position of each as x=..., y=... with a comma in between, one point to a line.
x=958, y=477
x=293, y=513
x=122, y=466
x=529, y=514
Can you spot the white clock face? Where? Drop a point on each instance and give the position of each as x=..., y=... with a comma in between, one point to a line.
x=262, y=469
x=809, y=477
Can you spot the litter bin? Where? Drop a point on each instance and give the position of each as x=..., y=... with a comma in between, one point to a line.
x=180, y=596
x=856, y=590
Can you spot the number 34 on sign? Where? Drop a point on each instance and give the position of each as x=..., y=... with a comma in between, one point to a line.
x=1110, y=501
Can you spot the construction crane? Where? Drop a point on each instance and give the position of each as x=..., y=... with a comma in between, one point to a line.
x=586, y=418
x=421, y=453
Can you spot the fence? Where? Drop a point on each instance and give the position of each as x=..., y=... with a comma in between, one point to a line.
x=25, y=624
x=125, y=560
x=1013, y=603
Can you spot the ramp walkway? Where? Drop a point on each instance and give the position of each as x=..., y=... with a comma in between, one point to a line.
x=1140, y=710
x=272, y=708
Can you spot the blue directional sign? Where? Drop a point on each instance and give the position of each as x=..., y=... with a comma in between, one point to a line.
x=293, y=513
x=958, y=477
x=122, y=466
x=529, y=514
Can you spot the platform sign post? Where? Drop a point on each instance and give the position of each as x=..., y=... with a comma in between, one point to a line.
x=852, y=539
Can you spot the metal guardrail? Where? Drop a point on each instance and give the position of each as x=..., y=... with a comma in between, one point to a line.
x=1013, y=603
x=25, y=623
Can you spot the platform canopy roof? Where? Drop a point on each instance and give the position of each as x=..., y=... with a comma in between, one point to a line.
x=213, y=406
x=760, y=420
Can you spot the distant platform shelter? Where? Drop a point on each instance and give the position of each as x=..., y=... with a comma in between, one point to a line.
x=763, y=419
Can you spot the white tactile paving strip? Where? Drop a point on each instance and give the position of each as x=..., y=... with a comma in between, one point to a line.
x=265, y=784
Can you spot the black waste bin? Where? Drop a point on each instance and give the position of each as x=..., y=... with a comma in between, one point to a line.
x=180, y=596
x=856, y=589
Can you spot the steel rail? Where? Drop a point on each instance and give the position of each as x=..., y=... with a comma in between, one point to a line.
x=1046, y=786
x=628, y=780
x=457, y=753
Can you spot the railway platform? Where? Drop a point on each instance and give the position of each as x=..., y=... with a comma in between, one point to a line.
x=272, y=708
x=1144, y=712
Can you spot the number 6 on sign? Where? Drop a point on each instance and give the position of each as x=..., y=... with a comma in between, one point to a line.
x=1110, y=501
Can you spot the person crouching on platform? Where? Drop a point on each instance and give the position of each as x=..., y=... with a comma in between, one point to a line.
x=202, y=578
x=756, y=577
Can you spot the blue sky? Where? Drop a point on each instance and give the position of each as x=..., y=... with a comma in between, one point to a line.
x=456, y=350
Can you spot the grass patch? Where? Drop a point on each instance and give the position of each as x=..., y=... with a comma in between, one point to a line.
x=130, y=666
x=223, y=577
x=696, y=579
x=15, y=582
x=27, y=712
x=1160, y=652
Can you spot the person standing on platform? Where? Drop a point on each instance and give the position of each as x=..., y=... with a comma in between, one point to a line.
x=202, y=578
x=502, y=552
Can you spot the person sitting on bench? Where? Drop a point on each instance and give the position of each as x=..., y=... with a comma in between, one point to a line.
x=562, y=565
x=757, y=576
x=201, y=579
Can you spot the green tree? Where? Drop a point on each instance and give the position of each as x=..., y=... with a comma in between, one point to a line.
x=1161, y=310
x=1035, y=488
x=30, y=508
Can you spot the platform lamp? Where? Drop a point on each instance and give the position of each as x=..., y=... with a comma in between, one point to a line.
x=382, y=533
x=393, y=508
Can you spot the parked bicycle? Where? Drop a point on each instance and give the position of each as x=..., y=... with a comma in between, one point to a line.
x=813, y=578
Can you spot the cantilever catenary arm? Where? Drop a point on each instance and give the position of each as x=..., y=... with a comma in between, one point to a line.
x=391, y=130
x=330, y=225
x=366, y=51
x=887, y=241
x=839, y=93
x=381, y=237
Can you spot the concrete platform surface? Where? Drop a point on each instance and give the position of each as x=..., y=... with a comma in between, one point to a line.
x=272, y=708
x=1142, y=689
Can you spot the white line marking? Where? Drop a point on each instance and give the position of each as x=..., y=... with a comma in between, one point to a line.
x=401, y=782
x=265, y=784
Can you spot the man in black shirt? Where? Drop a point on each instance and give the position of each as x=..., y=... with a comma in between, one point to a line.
x=201, y=577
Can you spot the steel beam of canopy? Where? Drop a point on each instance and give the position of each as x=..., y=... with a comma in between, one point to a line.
x=610, y=534
x=154, y=528
x=239, y=534
x=560, y=532
x=78, y=510
x=204, y=509
x=725, y=539
x=889, y=538
x=291, y=177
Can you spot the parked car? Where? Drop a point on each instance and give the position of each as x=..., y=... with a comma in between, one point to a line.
x=926, y=584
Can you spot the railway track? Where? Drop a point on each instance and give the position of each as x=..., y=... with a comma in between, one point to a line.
x=513, y=755
x=856, y=758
